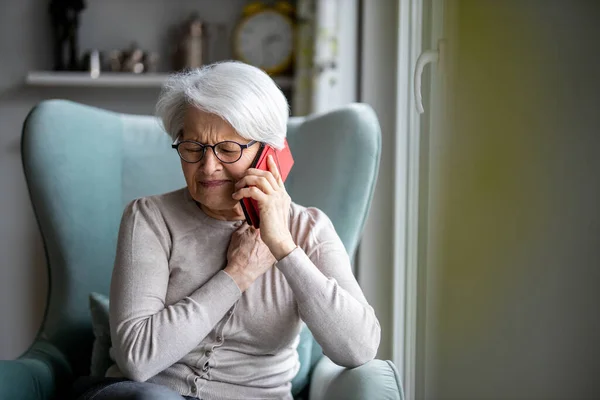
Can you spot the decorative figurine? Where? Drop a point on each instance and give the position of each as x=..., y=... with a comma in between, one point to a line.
x=189, y=52
x=65, y=24
x=92, y=63
x=151, y=62
x=132, y=60
x=115, y=58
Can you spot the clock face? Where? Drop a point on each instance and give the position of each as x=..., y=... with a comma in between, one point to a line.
x=265, y=40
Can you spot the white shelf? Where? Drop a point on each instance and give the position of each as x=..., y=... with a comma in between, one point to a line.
x=111, y=79
x=83, y=79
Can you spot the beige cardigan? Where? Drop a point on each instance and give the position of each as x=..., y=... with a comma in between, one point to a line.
x=179, y=320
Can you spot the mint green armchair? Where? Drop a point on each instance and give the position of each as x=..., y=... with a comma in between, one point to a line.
x=83, y=164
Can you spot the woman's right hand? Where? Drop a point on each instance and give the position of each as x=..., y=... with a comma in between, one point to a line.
x=248, y=257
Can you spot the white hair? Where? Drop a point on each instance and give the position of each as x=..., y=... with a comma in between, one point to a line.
x=240, y=94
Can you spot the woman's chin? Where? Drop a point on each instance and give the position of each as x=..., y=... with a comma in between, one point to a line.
x=214, y=202
x=218, y=193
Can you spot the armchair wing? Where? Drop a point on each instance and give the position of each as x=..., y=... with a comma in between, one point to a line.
x=39, y=374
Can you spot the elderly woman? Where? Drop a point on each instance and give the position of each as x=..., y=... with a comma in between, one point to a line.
x=205, y=306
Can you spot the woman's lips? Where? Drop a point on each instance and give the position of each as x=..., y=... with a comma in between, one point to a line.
x=213, y=184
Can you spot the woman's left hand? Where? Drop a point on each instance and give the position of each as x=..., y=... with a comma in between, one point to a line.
x=266, y=187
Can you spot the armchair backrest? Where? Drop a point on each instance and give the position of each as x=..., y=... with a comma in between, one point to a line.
x=84, y=164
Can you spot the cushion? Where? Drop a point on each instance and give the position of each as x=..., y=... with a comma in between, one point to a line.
x=101, y=359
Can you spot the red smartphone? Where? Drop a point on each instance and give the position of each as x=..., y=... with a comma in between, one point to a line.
x=284, y=160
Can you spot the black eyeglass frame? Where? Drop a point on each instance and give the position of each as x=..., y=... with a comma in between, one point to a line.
x=175, y=145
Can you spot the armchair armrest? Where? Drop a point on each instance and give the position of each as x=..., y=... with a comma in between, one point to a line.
x=37, y=375
x=376, y=379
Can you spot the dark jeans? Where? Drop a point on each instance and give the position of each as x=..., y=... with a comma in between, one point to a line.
x=91, y=388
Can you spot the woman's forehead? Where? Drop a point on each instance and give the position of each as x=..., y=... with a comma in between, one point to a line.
x=200, y=125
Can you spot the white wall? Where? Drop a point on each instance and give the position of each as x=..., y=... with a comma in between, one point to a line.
x=25, y=45
x=514, y=217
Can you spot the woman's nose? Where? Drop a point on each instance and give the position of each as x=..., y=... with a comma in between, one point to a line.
x=209, y=162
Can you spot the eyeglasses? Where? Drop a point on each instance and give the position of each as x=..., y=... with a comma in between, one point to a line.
x=227, y=152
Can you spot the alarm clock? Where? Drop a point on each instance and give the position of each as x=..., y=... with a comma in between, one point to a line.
x=264, y=37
